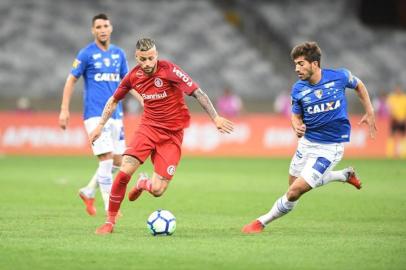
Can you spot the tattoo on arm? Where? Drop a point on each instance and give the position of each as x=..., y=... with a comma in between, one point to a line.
x=205, y=102
x=108, y=110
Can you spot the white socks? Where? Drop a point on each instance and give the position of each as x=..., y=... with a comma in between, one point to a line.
x=90, y=189
x=105, y=180
x=280, y=208
x=115, y=169
x=331, y=176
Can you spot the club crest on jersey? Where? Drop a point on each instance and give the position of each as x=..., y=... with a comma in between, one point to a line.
x=324, y=107
x=158, y=82
x=171, y=169
x=139, y=73
x=106, y=62
x=318, y=93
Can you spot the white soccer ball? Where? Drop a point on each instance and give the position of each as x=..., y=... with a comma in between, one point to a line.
x=161, y=222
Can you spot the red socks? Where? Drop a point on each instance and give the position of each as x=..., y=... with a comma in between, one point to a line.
x=117, y=195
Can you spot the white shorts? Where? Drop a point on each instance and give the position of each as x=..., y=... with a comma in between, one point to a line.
x=313, y=160
x=111, y=139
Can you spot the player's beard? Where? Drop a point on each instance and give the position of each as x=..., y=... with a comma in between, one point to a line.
x=150, y=72
x=308, y=74
x=103, y=42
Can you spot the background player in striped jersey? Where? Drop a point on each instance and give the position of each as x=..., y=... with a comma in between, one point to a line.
x=162, y=85
x=102, y=66
x=320, y=120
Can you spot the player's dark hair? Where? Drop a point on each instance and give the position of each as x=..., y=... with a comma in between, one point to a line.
x=100, y=16
x=144, y=44
x=309, y=50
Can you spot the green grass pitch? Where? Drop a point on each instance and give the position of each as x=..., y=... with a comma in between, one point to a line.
x=43, y=224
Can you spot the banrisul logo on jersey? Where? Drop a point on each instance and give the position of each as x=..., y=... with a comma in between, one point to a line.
x=324, y=107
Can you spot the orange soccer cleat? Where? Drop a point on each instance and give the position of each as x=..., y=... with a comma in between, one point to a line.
x=106, y=228
x=89, y=202
x=353, y=179
x=136, y=191
x=254, y=227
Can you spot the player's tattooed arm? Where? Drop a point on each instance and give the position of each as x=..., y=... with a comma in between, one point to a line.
x=107, y=112
x=222, y=124
x=205, y=102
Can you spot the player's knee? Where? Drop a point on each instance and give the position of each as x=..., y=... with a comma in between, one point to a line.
x=157, y=192
x=293, y=195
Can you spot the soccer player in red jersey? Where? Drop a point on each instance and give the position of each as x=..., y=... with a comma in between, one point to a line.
x=162, y=85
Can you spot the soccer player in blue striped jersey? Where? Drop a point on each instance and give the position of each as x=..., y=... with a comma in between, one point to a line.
x=320, y=120
x=102, y=66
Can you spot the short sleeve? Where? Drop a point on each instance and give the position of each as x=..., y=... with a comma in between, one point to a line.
x=123, y=88
x=350, y=80
x=181, y=79
x=79, y=64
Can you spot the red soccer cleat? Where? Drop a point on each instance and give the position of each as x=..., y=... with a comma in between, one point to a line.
x=89, y=202
x=353, y=179
x=254, y=227
x=106, y=228
x=136, y=191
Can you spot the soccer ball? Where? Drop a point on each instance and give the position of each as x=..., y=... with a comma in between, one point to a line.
x=161, y=222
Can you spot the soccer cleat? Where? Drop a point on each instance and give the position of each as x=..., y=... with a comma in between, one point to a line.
x=106, y=228
x=254, y=227
x=353, y=179
x=136, y=191
x=89, y=202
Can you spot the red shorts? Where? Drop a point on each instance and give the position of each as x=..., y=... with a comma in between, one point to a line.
x=163, y=145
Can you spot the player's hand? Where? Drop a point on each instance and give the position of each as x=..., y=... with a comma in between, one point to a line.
x=300, y=130
x=95, y=134
x=369, y=119
x=223, y=125
x=64, y=119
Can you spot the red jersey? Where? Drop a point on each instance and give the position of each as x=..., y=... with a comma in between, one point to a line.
x=163, y=94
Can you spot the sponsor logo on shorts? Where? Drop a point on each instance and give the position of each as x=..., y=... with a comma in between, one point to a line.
x=171, y=169
x=321, y=164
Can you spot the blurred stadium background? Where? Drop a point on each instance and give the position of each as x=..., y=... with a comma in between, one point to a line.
x=223, y=181
x=240, y=44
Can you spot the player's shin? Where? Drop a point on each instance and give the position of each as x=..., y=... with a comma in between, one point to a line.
x=118, y=190
x=280, y=208
x=91, y=187
x=104, y=178
x=340, y=176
